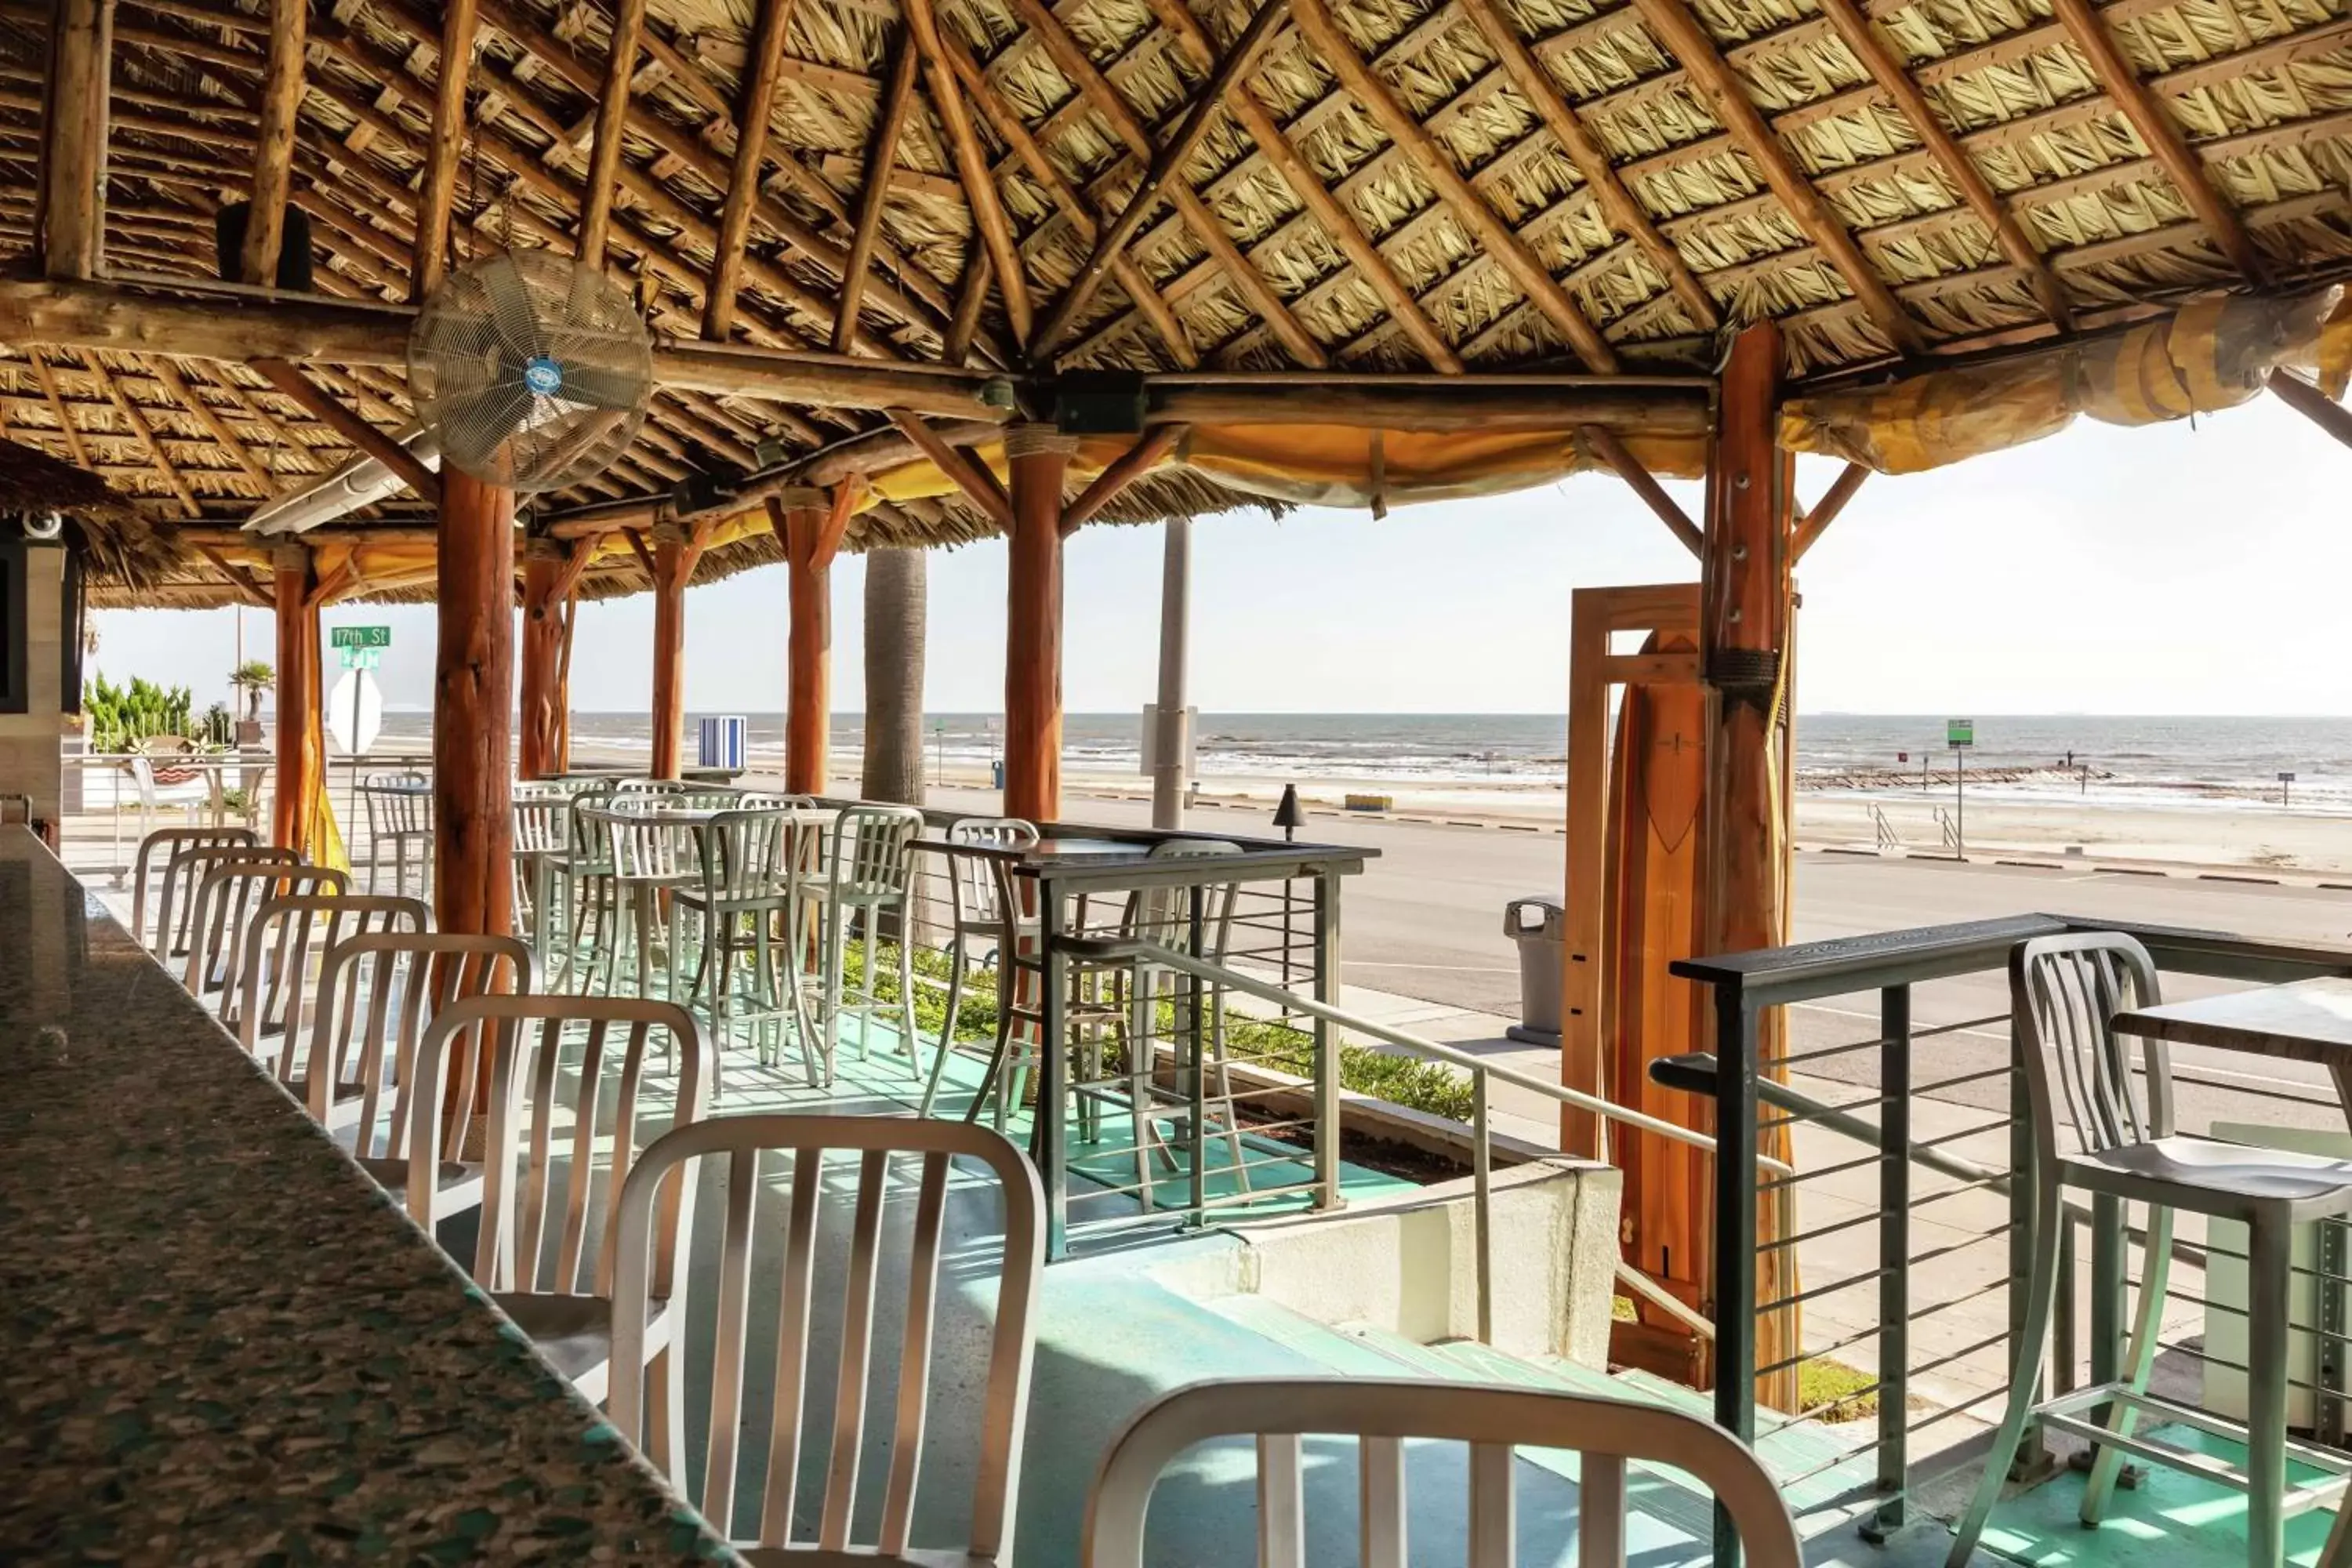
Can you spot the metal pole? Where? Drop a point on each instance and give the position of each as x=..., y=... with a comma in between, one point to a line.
x=1175, y=614
x=1960, y=802
x=359, y=684
x=1893, y=1260
x=1734, y=1306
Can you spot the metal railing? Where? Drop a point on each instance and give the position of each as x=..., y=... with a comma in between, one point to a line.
x=1482, y=1073
x=1891, y=1462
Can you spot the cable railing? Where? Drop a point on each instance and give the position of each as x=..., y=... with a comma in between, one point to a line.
x=1873, y=1094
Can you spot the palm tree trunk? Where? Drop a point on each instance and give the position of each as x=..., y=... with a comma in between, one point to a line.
x=895, y=601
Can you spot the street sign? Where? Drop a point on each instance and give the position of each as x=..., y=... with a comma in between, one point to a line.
x=359, y=637
x=360, y=657
x=1959, y=732
x=355, y=712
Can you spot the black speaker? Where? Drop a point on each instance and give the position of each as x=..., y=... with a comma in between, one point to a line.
x=293, y=246
x=1098, y=403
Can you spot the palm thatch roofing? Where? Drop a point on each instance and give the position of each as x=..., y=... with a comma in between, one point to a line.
x=125, y=551
x=1463, y=187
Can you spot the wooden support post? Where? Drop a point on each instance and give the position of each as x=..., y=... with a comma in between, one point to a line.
x=273, y=153
x=70, y=221
x=301, y=745
x=1745, y=627
x=799, y=516
x=669, y=648
x=542, y=749
x=1038, y=456
x=473, y=708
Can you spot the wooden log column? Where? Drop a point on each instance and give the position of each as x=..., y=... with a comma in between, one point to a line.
x=473, y=707
x=1745, y=646
x=670, y=570
x=798, y=515
x=1038, y=456
x=544, y=749
x=302, y=743
x=70, y=220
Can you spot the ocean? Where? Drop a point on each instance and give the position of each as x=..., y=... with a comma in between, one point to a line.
x=2147, y=759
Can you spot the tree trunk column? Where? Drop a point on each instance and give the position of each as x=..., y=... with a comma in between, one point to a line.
x=1745, y=615
x=70, y=207
x=473, y=704
x=301, y=746
x=670, y=649
x=896, y=599
x=546, y=740
x=808, y=675
x=1038, y=456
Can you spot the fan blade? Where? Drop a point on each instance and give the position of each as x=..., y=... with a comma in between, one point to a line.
x=509, y=297
x=595, y=387
x=478, y=426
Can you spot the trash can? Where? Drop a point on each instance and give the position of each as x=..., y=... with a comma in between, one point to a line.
x=996, y=774
x=1538, y=925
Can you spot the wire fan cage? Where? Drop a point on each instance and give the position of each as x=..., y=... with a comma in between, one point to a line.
x=532, y=370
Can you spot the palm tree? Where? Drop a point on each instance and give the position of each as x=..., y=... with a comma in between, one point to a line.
x=896, y=601
x=252, y=677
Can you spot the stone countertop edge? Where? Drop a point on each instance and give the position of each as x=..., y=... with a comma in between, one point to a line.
x=219, y=1342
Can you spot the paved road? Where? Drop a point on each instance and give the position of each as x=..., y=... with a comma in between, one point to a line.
x=1425, y=920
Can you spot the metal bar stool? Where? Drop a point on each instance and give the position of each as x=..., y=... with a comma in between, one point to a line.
x=982, y=906
x=2093, y=1129
x=399, y=814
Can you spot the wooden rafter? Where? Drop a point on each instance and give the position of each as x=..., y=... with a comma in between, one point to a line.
x=1812, y=525
x=362, y=436
x=1124, y=470
x=239, y=581
x=1674, y=25
x=1624, y=214
x=636, y=543
x=1006, y=123
x=974, y=481
x=281, y=102
x=841, y=506
x=440, y=194
x=1071, y=59
x=2161, y=136
x=70, y=219
x=205, y=414
x=2313, y=403
x=1861, y=36
x=1613, y=451
x=881, y=164
x=145, y=433
x=1436, y=164
x=743, y=179
x=972, y=167
x=48, y=380
x=611, y=120
x=1167, y=165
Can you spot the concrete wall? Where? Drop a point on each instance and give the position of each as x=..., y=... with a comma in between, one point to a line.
x=1410, y=1265
x=29, y=740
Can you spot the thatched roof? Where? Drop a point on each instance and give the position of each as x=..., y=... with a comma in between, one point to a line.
x=1463, y=187
x=123, y=550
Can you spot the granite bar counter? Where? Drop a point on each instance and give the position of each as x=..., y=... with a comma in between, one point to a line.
x=218, y=1343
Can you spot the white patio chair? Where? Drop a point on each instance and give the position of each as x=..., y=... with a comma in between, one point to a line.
x=222, y=913
x=869, y=866
x=1382, y=1414
x=646, y=1261
x=150, y=794
x=982, y=907
x=2095, y=1129
x=534, y=1254
x=287, y=937
x=400, y=820
x=378, y=994
x=165, y=853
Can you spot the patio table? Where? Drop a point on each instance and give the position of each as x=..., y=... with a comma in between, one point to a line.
x=2304, y=1021
x=200, y=1284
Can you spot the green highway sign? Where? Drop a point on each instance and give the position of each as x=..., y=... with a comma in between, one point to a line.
x=359, y=637
x=1959, y=732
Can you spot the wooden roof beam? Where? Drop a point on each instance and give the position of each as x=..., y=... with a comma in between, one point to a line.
x=281, y=102
x=980, y=486
x=1000, y=116
x=2313, y=403
x=355, y=431
x=611, y=120
x=177, y=386
x=240, y=582
x=1617, y=204
x=145, y=433
x=1124, y=470
x=48, y=383
x=1167, y=165
x=1645, y=484
x=1678, y=29
x=1436, y=164
x=1071, y=59
x=881, y=164
x=448, y=138
x=1812, y=525
x=995, y=230
x=2161, y=136
x=743, y=178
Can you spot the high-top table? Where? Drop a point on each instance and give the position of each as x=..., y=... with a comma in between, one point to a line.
x=219, y=1341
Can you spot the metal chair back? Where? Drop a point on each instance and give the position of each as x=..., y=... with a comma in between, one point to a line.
x=979, y=889
x=284, y=936
x=396, y=803
x=876, y=1141
x=645, y=847
x=176, y=844
x=1382, y=1414
x=1164, y=913
x=873, y=851
x=746, y=855
x=377, y=994
x=222, y=913
x=650, y=786
x=517, y=1250
x=2081, y=1087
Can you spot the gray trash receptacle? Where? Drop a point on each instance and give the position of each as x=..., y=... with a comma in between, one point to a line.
x=1539, y=924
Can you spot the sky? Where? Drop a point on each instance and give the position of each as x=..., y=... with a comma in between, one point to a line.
x=2177, y=569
